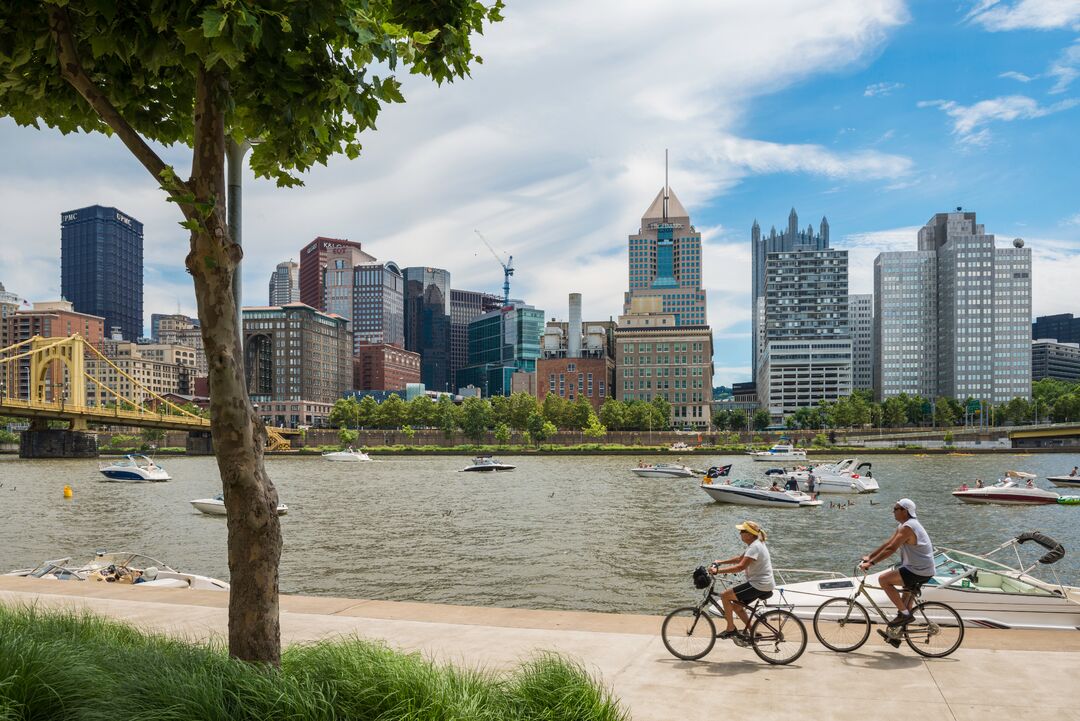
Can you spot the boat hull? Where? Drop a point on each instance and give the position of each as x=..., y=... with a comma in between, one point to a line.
x=654, y=473
x=1065, y=481
x=750, y=496
x=131, y=476
x=217, y=508
x=1004, y=498
x=346, y=457
x=775, y=457
x=487, y=469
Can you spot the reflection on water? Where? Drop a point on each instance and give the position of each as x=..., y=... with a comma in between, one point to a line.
x=573, y=533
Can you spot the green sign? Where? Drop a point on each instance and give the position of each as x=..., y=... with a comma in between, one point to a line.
x=973, y=405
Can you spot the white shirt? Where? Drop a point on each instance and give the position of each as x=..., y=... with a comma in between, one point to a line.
x=759, y=572
x=917, y=557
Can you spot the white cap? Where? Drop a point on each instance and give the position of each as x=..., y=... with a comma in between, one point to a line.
x=908, y=505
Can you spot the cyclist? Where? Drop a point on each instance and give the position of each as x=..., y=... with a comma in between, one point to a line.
x=916, y=560
x=756, y=562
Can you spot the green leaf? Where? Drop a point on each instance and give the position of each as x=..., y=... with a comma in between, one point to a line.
x=213, y=22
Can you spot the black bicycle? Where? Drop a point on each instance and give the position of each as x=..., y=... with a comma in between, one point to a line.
x=775, y=634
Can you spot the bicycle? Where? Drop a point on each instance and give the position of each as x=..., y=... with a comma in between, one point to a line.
x=775, y=634
x=843, y=624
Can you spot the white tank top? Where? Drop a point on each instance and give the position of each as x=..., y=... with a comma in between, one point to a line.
x=918, y=557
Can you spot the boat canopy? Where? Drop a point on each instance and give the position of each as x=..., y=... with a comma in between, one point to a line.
x=1056, y=550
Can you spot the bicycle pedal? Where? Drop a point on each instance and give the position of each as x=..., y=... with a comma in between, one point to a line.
x=741, y=641
x=891, y=640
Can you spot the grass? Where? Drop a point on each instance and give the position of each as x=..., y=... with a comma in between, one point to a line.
x=59, y=665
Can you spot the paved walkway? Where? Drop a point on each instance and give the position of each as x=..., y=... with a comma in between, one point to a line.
x=997, y=674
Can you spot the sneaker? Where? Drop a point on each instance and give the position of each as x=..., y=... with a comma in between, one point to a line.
x=894, y=642
x=902, y=619
x=724, y=635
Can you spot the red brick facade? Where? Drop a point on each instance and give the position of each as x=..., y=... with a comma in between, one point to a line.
x=384, y=367
x=573, y=378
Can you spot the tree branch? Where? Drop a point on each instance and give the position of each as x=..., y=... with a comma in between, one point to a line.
x=72, y=71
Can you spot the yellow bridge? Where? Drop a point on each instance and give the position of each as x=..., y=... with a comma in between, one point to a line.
x=46, y=379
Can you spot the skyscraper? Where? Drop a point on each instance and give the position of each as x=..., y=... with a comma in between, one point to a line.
x=465, y=305
x=502, y=343
x=427, y=323
x=791, y=240
x=861, y=315
x=1062, y=327
x=962, y=321
x=285, y=283
x=378, y=305
x=326, y=274
x=101, y=259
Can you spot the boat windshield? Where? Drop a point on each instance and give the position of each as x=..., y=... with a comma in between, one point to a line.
x=743, y=484
x=984, y=574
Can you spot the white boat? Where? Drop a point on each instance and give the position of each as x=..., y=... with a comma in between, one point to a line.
x=349, y=455
x=846, y=476
x=1065, y=481
x=985, y=592
x=487, y=464
x=136, y=468
x=664, y=470
x=216, y=506
x=1017, y=488
x=124, y=569
x=745, y=493
x=779, y=453
x=679, y=446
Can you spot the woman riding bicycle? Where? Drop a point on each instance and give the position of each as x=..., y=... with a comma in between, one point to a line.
x=756, y=562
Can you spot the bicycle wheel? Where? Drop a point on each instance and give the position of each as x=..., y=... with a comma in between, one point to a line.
x=936, y=630
x=688, y=633
x=778, y=637
x=842, y=624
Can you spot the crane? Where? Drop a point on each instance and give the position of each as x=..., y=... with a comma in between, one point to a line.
x=507, y=266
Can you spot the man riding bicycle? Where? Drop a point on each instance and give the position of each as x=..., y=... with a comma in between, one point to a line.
x=916, y=561
x=756, y=562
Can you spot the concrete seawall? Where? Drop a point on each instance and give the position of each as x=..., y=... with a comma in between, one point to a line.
x=996, y=674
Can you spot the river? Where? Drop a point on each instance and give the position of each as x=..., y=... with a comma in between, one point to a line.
x=559, y=532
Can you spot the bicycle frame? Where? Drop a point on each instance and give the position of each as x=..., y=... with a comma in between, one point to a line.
x=906, y=595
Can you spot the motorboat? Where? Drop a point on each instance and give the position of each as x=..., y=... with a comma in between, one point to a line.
x=847, y=476
x=665, y=470
x=1017, y=488
x=678, y=446
x=135, y=468
x=746, y=493
x=986, y=592
x=349, y=455
x=1065, y=481
x=779, y=452
x=486, y=464
x=216, y=506
x=123, y=568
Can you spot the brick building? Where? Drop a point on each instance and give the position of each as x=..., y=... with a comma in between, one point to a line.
x=384, y=367
x=54, y=319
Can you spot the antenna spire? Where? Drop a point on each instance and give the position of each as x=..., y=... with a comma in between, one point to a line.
x=665, y=182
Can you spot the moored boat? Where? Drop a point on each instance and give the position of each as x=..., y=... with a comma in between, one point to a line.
x=664, y=470
x=487, y=464
x=216, y=506
x=778, y=453
x=1070, y=481
x=349, y=455
x=1017, y=488
x=135, y=468
x=123, y=568
x=846, y=476
x=746, y=493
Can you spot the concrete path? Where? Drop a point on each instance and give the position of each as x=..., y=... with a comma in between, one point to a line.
x=996, y=674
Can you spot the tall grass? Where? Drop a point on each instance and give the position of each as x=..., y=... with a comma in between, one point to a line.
x=60, y=665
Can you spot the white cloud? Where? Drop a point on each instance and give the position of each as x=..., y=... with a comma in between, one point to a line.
x=970, y=121
x=881, y=89
x=1013, y=75
x=999, y=15
x=1072, y=220
x=552, y=149
x=1065, y=68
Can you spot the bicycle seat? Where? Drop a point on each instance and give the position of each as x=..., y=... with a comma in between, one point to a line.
x=767, y=596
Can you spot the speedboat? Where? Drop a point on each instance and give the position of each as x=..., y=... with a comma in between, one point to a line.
x=779, y=452
x=349, y=455
x=1065, y=481
x=1017, y=488
x=664, y=470
x=216, y=506
x=484, y=464
x=745, y=493
x=846, y=476
x=124, y=569
x=984, y=591
x=136, y=468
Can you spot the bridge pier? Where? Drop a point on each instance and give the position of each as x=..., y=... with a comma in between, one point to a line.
x=57, y=443
x=200, y=443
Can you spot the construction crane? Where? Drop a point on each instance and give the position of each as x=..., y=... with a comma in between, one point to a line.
x=507, y=266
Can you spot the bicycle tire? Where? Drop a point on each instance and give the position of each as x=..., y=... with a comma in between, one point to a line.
x=848, y=613
x=685, y=623
x=775, y=627
x=934, y=619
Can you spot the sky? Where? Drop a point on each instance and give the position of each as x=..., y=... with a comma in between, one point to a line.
x=874, y=113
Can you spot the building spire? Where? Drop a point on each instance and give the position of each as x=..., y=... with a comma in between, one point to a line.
x=666, y=191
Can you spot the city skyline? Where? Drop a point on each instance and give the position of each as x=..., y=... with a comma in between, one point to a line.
x=904, y=110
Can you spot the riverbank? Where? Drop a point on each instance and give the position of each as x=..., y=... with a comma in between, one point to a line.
x=996, y=674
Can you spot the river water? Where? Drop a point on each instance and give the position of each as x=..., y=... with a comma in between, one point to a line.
x=559, y=532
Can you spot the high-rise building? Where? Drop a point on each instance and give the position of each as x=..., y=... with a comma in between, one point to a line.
x=285, y=283
x=502, y=344
x=329, y=262
x=806, y=356
x=9, y=303
x=378, y=305
x=298, y=361
x=1051, y=359
x=427, y=323
x=181, y=330
x=657, y=357
x=790, y=241
x=1063, y=327
x=976, y=341
x=465, y=305
x=665, y=261
x=861, y=315
x=101, y=259
x=138, y=372
x=577, y=359
x=170, y=322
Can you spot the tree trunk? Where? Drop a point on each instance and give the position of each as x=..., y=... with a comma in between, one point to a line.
x=254, y=532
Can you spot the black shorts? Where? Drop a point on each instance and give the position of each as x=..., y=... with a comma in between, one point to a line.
x=747, y=594
x=912, y=581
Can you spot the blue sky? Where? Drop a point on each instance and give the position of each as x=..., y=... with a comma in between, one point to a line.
x=876, y=113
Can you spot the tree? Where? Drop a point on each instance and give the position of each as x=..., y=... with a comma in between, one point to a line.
x=761, y=419
x=540, y=429
x=347, y=437
x=502, y=434
x=345, y=413
x=721, y=419
x=594, y=428
x=446, y=416
x=392, y=412
x=421, y=412
x=367, y=413
x=613, y=414
x=661, y=413
x=521, y=405
x=577, y=415
x=893, y=413
x=500, y=409
x=203, y=75
x=475, y=418
x=554, y=410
